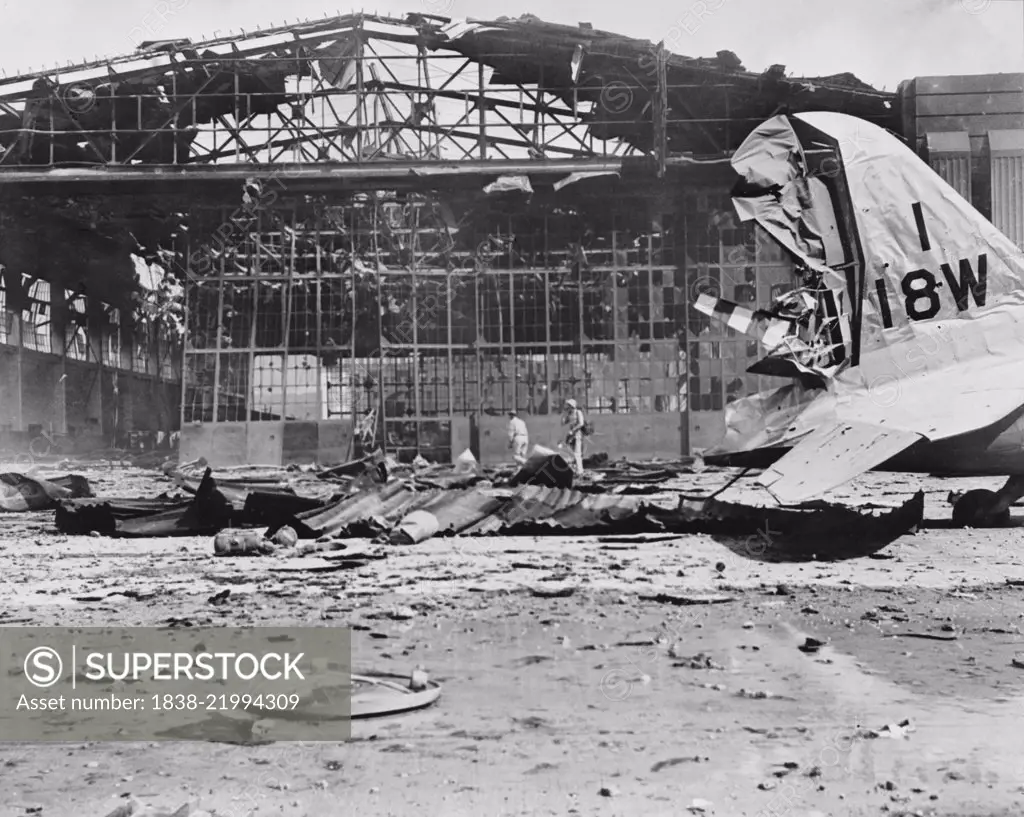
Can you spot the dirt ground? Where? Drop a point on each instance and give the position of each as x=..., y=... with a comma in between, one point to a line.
x=586, y=702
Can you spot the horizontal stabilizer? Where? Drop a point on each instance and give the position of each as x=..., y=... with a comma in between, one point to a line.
x=831, y=455
x=963, y=397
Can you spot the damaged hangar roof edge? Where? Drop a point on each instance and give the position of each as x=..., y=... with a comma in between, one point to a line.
x=553, y=36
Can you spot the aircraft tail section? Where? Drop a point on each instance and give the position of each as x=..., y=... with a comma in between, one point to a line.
x=912, y=328
x=914, y=278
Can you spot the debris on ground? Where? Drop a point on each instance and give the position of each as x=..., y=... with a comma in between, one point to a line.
x=689, y=598
x=20, y=492
x=378, y=497
x=134, y=808
x=926, y=636
x=559, y=593
x=698, y=661
x=285, y=536
x=799, y=534
x=676, y=761
x=896, y=731
x=312, y=514
x=755, y=694
x=241, y=543
x=546, y=468
x=382, y=694
x=392, y=503
x=788, y=768
x=811, y=645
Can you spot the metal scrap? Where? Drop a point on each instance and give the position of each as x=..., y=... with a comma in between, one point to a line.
x=19, y=492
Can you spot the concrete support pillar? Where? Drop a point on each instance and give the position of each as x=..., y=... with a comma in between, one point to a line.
x=11, y=414
x=20, y=370
x=155, y=345
x=96, y=422
x=154, y=349
x=59, y=346
x=127, y=381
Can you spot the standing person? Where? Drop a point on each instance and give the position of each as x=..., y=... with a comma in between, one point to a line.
x=518, y=437
x=577, y=422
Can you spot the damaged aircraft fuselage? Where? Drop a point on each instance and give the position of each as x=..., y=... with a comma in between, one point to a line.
x=905, y=343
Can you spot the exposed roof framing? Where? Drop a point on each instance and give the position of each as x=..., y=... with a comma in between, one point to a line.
x=362, y=89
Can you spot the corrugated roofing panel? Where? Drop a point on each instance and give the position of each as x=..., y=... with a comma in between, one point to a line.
x=527, y=504
x=1007, y=177
x=554, y=508
x=380, y=502
x=457, y=511
x=949, y=154
x=593, y=511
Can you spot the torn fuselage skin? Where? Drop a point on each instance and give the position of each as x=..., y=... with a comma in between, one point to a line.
x=848, y=219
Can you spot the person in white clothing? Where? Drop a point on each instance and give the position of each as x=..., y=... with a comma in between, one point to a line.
x=574, y=439
x=518, y=437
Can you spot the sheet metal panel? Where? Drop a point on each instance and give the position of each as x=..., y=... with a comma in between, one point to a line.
x=529, y=504
x=975, y=104
x=949, y=154
x=1006, y=149
x=456, y=511
x=831, y=455
x=1012, y=83
x=387, y=502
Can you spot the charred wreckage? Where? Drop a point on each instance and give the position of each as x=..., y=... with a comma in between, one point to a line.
x=350, y=247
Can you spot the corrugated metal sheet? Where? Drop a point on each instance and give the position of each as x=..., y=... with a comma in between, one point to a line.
x=485, y=510
x=1006, y=148
x=482, y=512
x=456, y=511
x=364, y=512
x=529, y=504
x=594, y=511
x=949, y=154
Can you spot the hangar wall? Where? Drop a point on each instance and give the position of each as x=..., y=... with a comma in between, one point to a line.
x=971, y=130
x=290, y=348
x=69, y=366
x=304, y=325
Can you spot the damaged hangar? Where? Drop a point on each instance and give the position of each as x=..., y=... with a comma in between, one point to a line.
x=388, y=233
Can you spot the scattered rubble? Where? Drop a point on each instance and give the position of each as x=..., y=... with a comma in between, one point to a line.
x=699, y=661
x=755, y=694
x=896, y=731
x=689, y=599
x=241, y=543
x=380, y=499
x=20, y=492
x=134, y=808
x=811, y=645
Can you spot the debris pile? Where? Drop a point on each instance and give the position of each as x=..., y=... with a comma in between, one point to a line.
x=20, y=492
x=299, y=511
x=250, y=516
